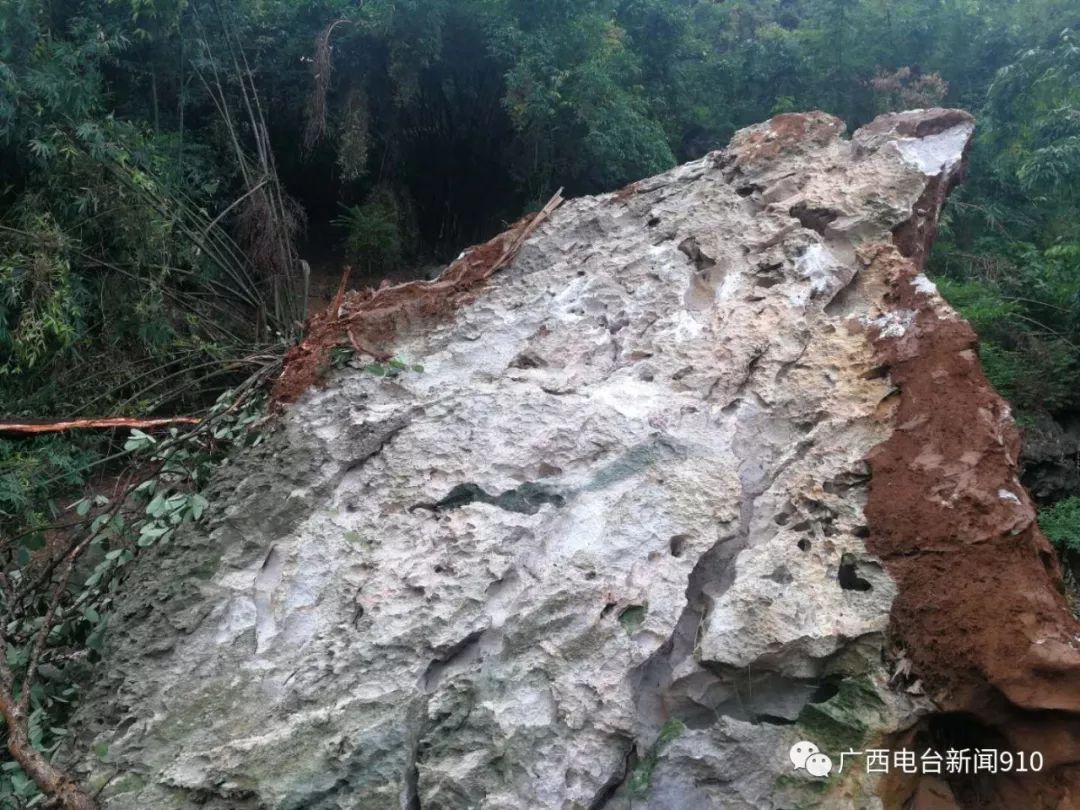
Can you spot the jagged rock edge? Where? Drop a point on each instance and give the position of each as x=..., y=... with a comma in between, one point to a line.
x=970, y=680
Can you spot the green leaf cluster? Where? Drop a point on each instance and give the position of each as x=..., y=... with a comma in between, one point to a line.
x=175, y=468
x=1061, y=525
x=1009, y=254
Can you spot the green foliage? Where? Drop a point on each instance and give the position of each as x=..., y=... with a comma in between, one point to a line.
x=33, y=471
x=342, y=356
x=378, y=233
x=107, y=249
x=577, y=79
x=1023, y=353
x=116, y=528
x=1061, y=525
x=121, y=291
x=1031, y=110
x=392, y=368
x=641, y=777
x=39, y=315
x=1009, y=257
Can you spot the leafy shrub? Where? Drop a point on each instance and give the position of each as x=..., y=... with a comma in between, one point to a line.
x=112, y=531
x=1061, y=525
x=904, y=89
x=34, y=471
x=379, y=234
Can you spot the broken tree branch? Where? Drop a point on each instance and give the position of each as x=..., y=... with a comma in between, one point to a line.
x=321, y=65
x=63, y=791
x=58, y=426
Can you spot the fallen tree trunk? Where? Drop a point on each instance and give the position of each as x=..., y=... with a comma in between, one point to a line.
x=58, y=426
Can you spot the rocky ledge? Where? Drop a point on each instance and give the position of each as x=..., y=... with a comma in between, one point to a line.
x=707, y=471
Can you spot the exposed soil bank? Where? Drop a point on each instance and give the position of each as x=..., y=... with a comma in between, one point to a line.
x=980, y=614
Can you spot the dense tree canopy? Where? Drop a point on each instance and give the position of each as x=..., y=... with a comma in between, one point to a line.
x=176, y=176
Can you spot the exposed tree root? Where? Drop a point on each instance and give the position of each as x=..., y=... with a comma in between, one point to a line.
x=367, y=320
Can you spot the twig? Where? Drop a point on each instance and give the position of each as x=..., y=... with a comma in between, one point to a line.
x=339, y=297
x=320, y=73
x=235, y=203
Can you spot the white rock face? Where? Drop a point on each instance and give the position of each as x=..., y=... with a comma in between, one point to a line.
x=606, y=548
x=936, y=153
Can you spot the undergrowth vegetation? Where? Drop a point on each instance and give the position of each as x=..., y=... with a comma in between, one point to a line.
x=60, y=578
x=1061, y=523
x=1009, y=252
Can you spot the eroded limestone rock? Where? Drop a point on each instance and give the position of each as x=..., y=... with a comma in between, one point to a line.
x=609, y=546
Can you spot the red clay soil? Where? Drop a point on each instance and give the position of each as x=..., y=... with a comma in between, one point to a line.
x=785, y=134
x=369, y=320
x=980, y=612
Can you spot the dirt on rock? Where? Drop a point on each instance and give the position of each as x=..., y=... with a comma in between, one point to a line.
x=981, y=617
x=786, y=133
x=367, y=320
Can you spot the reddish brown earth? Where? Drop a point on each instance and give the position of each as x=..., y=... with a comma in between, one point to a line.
x=980, y=613
x=367, y=320
x=787, y=133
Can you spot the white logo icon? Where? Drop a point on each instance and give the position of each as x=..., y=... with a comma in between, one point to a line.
x=818, y=765
x=805, y=755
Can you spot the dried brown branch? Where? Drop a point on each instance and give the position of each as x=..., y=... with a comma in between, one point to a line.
x=320, y=73
x=339, y=297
